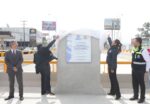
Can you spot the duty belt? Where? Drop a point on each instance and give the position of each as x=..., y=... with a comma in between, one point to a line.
x=139, y=63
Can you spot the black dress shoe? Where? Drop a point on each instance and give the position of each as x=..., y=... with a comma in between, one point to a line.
x=21, y=98
x=44, y=93
x=141, y=100
x=133, y=98
x=51, y=93
x=10, y=97
x=117, y=97
x=111, y=94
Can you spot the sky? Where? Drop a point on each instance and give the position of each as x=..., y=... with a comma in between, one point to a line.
x=76, y=14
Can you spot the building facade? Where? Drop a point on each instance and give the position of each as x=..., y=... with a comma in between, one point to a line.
x=26, y=37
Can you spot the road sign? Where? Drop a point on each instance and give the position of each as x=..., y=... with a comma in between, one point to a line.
x=49, y=25
x=112, y=24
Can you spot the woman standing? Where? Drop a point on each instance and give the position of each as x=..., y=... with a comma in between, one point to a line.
x=115, y=49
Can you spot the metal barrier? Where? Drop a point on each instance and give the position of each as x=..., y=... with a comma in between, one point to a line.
x=54, y=67
x=2, y=54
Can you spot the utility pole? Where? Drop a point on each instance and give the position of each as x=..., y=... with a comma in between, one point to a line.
x=24, y=34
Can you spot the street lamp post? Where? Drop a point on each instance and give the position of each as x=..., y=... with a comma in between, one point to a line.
x=24, y=24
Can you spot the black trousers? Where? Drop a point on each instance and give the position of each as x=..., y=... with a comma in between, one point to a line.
x=114, y=82
x=11, y=76
x=45, y=82
x=138, y=81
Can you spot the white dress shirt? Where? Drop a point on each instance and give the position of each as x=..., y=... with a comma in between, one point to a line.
x=146, y=57
x=13, y=51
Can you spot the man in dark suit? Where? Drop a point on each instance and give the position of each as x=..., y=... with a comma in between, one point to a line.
x=42, y=58
x=13, y=60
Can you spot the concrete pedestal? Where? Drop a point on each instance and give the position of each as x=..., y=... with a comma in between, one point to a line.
x=79, y=78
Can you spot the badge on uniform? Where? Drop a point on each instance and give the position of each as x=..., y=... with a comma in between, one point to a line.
x=138, y=56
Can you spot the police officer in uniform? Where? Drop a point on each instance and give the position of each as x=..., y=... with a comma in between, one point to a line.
x=138, y=69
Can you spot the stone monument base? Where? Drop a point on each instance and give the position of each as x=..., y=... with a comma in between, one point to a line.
x=76, y=77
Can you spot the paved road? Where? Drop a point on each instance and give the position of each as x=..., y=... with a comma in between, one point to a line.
x=32, y=96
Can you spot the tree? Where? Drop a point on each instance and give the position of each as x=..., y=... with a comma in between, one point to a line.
x=144, y=32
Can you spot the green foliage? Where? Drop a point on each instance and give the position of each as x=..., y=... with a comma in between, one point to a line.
x=144, y=32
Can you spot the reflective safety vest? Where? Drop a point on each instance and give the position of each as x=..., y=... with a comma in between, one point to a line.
x=137, y=58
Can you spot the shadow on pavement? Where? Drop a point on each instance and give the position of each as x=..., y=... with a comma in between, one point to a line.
x=83, y=99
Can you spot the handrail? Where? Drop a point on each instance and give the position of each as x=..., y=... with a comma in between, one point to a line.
x=119, y=62
x=55, y=62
